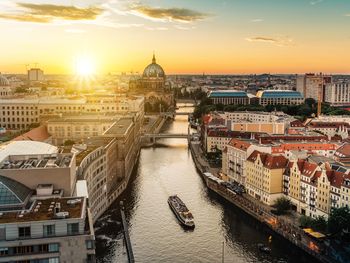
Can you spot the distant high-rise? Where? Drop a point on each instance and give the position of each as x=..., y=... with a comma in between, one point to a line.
x=312, y=85
x=35, y=74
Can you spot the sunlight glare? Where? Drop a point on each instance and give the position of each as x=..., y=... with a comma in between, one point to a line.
x=85, y=66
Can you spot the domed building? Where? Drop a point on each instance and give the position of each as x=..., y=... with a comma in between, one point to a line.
x=5, y=88
x=152, y=84
x=153, y=77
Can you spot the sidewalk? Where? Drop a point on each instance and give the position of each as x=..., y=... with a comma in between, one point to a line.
x=285, y=226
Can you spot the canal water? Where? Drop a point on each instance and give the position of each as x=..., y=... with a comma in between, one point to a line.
x=222, y=233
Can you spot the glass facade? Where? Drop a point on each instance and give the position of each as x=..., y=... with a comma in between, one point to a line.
x=12, y=192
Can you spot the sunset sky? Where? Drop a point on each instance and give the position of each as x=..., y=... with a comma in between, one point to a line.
x=188, y=36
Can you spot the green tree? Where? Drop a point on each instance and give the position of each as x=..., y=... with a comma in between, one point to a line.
x=282, y=205
x=319, y=224
x=339, y=220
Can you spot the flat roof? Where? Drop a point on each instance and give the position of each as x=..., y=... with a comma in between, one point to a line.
x=42, y=210
x=36, y=161
x=120, y=127
x=25, y=148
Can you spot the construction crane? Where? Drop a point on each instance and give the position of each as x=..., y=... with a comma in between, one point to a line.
x=320, y=92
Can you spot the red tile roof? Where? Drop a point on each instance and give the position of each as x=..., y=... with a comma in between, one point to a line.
x=239, y=144
x=269, y=161
x=335, y=178
x=39, y=134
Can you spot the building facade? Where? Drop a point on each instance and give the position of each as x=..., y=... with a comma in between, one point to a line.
x=280, y=97
x=227, y=97
x=312, y=85
x=264, y=174
x=337, y=94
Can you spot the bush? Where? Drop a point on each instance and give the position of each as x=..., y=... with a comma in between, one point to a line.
x=282, y=205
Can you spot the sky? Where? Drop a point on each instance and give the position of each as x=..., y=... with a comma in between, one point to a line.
x=187, y=36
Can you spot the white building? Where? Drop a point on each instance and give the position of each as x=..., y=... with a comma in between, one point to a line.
x=337, y=94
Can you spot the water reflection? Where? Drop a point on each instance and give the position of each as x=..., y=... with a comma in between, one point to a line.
x=155, y=232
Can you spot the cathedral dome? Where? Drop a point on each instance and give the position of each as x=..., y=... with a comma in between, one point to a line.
x=153, y=70
x=3, y=81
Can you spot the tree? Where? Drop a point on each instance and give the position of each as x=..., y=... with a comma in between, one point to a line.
x=305, y=221
x=282, y=205
x=68, y=142
x=319, y=224
x=339, y=220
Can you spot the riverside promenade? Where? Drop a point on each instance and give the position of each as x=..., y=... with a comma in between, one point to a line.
x=279, y=224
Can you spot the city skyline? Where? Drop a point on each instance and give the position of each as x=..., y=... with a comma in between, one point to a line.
x=189, y=37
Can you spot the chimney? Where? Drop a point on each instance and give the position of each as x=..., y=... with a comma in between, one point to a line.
x=57, y=208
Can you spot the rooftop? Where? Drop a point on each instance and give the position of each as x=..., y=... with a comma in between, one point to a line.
x=265, y=94
x=227, y=93
x=25, y=148
x=120, y=127
x=37, y=134
x=36, y=161
x=42, y=210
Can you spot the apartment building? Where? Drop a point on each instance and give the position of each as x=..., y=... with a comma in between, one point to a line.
x=312, y=85
x=264, y=175
x=314, y=189
x=337, y=94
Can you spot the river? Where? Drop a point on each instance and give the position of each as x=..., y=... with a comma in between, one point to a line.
x=156, y=236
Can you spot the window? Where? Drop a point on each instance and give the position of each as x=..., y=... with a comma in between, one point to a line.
x=73, y=229
x=89, y=244
x=49, y=230
x=24, y=232
x=54, y=247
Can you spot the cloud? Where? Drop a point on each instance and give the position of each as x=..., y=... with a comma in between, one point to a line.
x=45, y=13
x=257, y=20
x=170, y=14
x=278, y=41
x=315, y=2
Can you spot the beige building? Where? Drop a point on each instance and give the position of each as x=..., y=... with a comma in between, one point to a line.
x=20, y=113
x=314, y=189
x=263, y=122
x=312, y=85
x=106, y=163
x=264, y=175
x=30, y=163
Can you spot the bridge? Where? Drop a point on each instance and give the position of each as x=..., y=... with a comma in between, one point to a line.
x=166, y=135
x=154, y=136
x=195, y=102
x=172, y=114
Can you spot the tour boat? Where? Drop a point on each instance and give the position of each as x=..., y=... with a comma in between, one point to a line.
x=181, y=211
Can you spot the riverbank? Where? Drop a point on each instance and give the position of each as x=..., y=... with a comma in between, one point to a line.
x=261, y=213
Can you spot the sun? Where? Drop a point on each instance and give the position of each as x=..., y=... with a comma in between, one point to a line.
x=84, y=66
